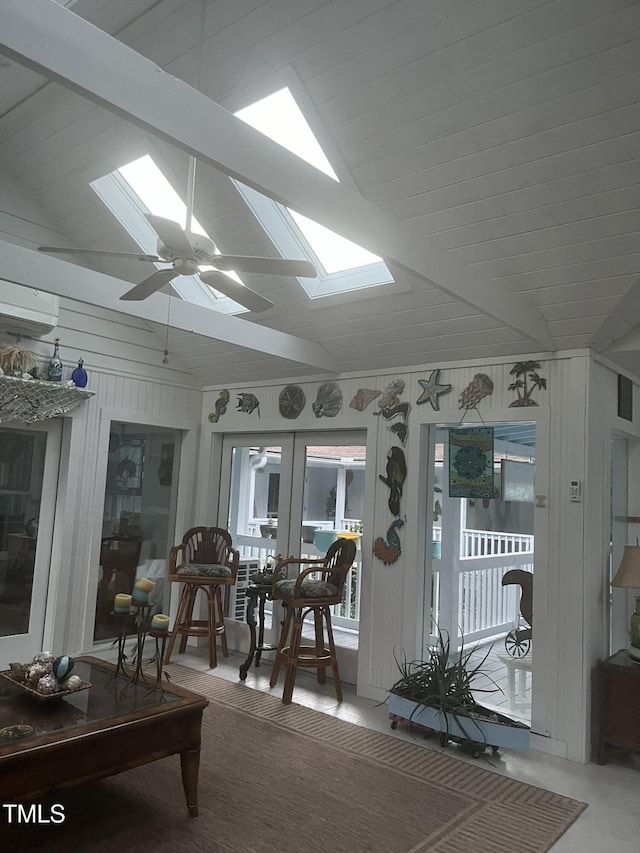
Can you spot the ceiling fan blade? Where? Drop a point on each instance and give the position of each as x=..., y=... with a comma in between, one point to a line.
x=55, y=250
x=170, y=233
x=236, y=291
x=150, y=285
x=266, y=266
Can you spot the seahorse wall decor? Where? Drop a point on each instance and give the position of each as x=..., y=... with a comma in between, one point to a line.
x=220, y=407
x=388, y=551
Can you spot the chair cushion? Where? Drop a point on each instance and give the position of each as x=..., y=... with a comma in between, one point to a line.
x=204, y=570
x=308, y=589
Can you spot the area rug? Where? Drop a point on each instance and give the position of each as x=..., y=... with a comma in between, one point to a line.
x=276, y=778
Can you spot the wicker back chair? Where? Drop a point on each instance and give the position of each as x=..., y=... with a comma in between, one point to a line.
x=204, y=560
x=317, y=587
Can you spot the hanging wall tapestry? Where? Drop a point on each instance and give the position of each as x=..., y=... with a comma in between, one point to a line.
x=471, y=463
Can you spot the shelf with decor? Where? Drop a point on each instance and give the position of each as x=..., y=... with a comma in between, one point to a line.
x=33, y=400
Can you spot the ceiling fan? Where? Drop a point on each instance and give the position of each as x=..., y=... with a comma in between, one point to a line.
x=187, y=252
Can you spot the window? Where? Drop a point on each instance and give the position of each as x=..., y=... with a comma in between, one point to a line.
x=342, y=265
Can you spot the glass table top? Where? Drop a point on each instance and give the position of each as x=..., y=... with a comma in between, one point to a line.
x=108, y=698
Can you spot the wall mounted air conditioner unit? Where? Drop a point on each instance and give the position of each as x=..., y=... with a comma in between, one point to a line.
x=26, y=310
x=234, y=596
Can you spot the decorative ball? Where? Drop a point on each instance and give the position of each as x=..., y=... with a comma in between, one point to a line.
x=62, y=667
x=35, y=673
x=48, y=684
x=74, y=682
x=19, y=671
x=45, y=658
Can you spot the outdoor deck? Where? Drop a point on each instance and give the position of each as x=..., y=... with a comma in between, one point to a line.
x=514, y=699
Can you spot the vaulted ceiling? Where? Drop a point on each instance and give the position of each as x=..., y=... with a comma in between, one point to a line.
x=486, y=149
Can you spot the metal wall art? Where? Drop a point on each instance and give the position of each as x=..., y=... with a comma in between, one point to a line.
x=391, y=395
x=220, y=407
x=328, y=400
x=432, y=390
x=480, y=386
x=363, y=397
x=396, y=474
x=526, y=372
x=248, y=403
x=291, y=401
x=388, y=551
x=471, y=463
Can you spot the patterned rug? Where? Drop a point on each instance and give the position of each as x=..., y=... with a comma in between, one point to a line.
x=276, y=778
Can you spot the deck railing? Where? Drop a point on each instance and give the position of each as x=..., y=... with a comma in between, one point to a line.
x=484, y=608
x=343, y=615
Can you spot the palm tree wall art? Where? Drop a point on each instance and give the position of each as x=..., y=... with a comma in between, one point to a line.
x=527, y=379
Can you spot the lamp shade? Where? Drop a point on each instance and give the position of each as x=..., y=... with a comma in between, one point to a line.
x=628, y=574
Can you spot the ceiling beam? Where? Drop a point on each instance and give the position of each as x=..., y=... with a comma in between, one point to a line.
x=54, y=41
x=71, y=281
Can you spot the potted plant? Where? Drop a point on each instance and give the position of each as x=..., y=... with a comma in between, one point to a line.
x=437, y=694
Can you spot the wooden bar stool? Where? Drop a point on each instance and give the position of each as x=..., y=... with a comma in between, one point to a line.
x=204, y=560
x=315, y=590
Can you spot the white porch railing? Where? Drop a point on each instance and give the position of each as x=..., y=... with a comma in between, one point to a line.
x=484, y=606
x=343, y=615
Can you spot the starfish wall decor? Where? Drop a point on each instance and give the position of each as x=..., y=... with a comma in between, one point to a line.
x=432, y=390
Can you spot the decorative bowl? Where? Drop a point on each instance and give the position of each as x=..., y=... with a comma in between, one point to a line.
x=43, y=697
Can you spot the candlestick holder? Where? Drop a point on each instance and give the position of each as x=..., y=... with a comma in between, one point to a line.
x=142, y=628
x=121, y=640
x=161, y=641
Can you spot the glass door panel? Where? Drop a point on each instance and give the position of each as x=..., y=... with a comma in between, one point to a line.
x=332, y=505
x=293, y=494
x=475, y=541
x=254, y=503
x=138, y=517
x=29, y=460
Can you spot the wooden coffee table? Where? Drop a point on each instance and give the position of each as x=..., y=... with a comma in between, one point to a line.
x=97, y=732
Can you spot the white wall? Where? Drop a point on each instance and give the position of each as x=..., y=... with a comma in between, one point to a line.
x=568, y=592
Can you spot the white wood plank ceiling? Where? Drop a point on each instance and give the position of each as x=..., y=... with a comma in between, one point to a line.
x=493, y=145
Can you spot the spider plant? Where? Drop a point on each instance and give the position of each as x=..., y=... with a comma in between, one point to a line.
x=445, y=682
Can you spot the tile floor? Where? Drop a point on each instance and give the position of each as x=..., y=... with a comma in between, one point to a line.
x=611, y=823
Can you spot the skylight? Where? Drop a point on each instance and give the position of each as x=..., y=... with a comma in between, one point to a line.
x=342, y=265
x=140, y=187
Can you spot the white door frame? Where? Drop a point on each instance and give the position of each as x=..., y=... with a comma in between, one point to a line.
x=22, y=647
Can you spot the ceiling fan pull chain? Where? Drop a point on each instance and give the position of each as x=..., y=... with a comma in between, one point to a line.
x=165, y=360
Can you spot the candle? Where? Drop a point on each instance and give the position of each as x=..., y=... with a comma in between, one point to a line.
x=122, y=603
x=144, y=584
x=140, y=596
x=160, y=622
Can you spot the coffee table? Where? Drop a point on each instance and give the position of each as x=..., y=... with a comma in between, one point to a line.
x=113, y=726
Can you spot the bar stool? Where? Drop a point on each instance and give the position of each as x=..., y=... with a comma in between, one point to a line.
x=204, y=560
x=315, y=590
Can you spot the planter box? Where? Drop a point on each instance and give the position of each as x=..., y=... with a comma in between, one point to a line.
x=503, y=732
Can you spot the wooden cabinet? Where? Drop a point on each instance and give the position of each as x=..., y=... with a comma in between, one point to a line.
x=619, y=704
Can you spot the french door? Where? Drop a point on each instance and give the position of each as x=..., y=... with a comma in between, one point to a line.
x=29, y=462
x=294, y=493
